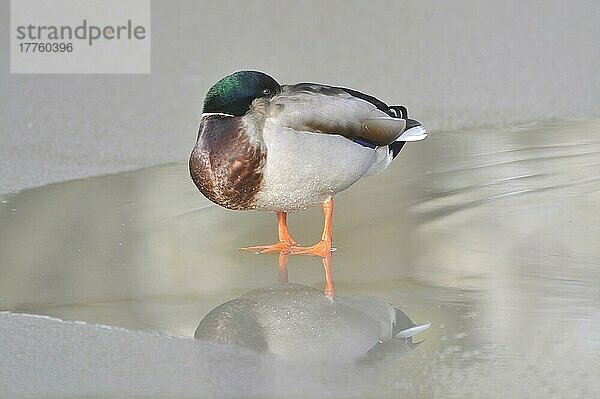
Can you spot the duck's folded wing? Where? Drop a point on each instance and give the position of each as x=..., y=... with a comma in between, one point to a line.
x=332, y=110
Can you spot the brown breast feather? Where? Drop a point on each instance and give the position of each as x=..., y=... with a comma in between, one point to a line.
x=225, y=166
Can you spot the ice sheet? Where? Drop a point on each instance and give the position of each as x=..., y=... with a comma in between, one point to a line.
x=453, y=64
x=42, y=356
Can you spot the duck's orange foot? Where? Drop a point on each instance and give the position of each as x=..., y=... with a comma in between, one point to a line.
x=283, y=247
x=322, y=249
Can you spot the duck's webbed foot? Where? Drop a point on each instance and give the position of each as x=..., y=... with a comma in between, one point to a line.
x=322, y=249
x=281, y=246
x=286, y=242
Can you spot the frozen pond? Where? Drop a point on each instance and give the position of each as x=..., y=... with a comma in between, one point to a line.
x=489, y=234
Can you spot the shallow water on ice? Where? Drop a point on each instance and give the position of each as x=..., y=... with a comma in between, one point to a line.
x=490, y=234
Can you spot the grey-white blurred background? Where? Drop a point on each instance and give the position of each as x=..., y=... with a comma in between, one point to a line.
x=455, y=64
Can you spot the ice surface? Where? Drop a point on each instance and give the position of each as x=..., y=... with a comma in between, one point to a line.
x=453, y=64
x=490, y=234
x=47, y=357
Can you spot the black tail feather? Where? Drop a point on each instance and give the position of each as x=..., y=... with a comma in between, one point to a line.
x=401, y=112
x=395, y=147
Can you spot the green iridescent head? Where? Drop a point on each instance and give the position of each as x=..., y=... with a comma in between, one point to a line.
x=234, y=93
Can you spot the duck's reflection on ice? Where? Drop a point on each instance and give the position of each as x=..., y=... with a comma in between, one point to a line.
x=297, y=321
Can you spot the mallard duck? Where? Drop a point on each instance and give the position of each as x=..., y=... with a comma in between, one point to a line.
x=271, y=147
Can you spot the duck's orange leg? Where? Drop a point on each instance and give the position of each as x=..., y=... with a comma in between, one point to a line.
x=323, y=247
x=329, y=290
x=285, y=240
x=282, y=273
x=329, y=285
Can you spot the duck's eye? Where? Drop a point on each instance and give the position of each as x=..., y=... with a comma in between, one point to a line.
x=266, y=92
